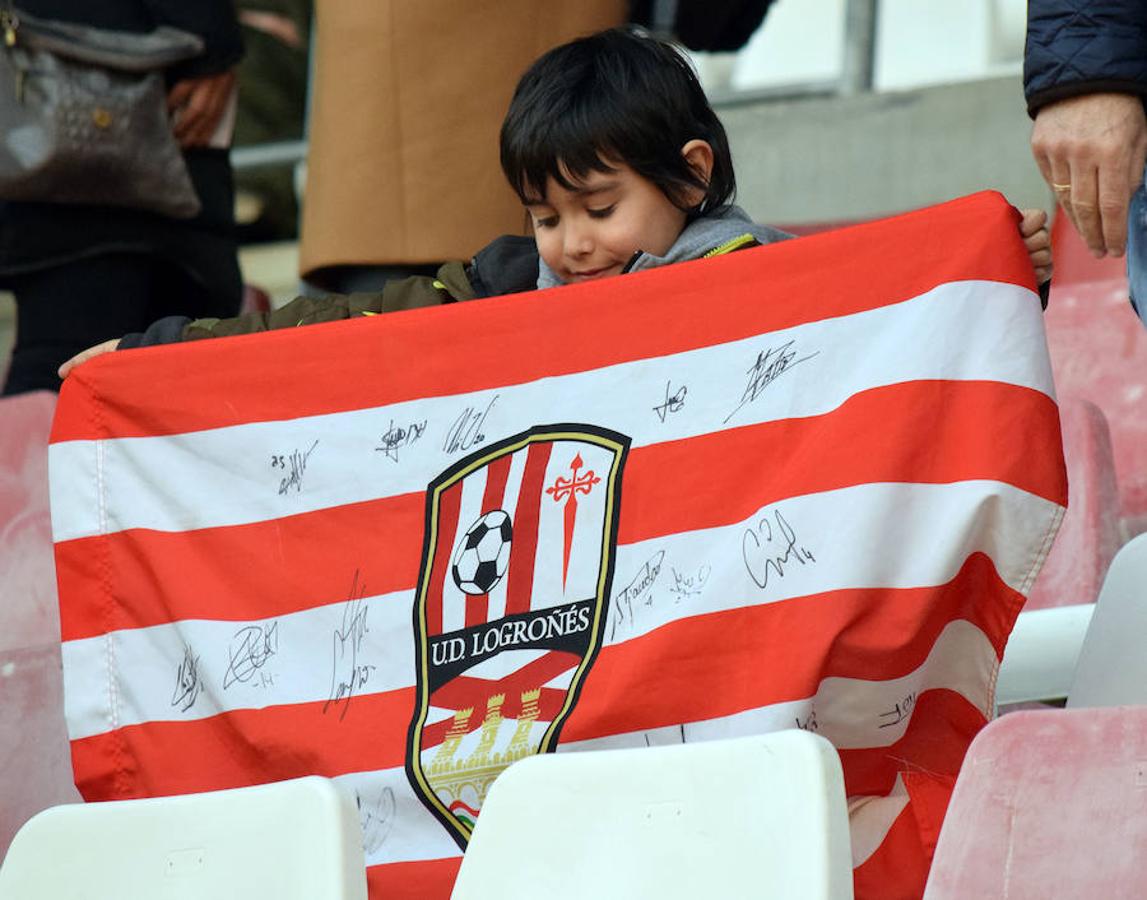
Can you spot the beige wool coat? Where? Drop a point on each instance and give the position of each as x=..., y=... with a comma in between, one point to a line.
x=408, y=99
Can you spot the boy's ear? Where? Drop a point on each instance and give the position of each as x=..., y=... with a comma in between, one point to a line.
x=699, y=155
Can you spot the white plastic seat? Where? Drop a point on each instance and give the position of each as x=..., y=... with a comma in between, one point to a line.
x=762, y=816
x=293, y=840
x=1112, y=667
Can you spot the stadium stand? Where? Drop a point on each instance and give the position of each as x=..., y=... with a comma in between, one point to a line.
x=759, y=816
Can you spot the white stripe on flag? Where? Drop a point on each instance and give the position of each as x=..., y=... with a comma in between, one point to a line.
x=226, y=476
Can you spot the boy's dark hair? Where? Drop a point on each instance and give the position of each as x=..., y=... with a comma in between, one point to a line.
x=615, y=96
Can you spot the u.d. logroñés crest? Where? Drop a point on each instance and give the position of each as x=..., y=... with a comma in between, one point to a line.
x=510, y=607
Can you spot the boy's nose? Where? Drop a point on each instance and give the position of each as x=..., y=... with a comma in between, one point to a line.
x=578, y=241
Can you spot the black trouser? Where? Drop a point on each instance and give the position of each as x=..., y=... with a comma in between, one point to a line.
x=68, y=308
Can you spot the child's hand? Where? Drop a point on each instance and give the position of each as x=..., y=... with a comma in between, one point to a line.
x=1033, y=229
x=84, y=356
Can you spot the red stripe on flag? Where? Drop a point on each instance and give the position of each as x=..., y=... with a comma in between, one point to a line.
x=898, y=869
x=450, y=502
x=875, y=634
x=872, y=438
x=413, y=880
x=241, y=572
x=158, y=390
x=463, y=691
x=301, y=561
x=520, y=580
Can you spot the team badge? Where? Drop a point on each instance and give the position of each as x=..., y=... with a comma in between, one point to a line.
x=510, y=607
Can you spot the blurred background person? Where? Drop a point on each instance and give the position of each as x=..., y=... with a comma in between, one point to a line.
x=272, y=109
x=85, y=273
x=407, y=100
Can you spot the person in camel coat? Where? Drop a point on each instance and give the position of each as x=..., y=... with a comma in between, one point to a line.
x=407, y=100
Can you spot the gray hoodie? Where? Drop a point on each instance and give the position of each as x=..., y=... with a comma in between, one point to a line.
x=701, y=236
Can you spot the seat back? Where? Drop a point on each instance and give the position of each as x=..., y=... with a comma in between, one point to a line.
x=1090, y=533
x=1112, y=667
x=293, y=840
x=35, y=762
x=760, y=816
x=1049, y=803
x=1099, y=352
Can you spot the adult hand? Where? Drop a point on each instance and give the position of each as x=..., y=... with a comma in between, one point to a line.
x=197, y=105
x=1091, y=151
x=84, y=356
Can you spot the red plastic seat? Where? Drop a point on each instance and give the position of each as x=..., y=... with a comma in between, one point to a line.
x=1090, y=534
x=1048, y=804
x=35, y=765
x=1099, y=353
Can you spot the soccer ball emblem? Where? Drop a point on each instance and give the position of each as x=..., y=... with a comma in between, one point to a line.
x=483, y=553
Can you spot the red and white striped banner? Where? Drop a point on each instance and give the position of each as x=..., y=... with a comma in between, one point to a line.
x=805, y=485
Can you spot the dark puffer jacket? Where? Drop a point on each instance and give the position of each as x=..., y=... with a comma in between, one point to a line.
x=1077, y=47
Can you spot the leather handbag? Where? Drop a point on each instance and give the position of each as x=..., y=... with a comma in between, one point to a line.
x=83, y=115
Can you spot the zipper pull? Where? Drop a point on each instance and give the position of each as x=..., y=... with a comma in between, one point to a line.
x=637, y=254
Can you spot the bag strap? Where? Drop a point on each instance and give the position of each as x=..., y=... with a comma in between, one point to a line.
x=123, y=51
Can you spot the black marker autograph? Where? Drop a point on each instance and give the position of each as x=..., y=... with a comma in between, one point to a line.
x=689, y=584
x=673, y=402
x=297, y=462
x=249, y=651
x=770, y=365
x=640, y=586
x=377, y=818
x=396, y=437
x=187, y=683
x=898, y=713
x=766, y=549
x=466, y=432
x=347, y=674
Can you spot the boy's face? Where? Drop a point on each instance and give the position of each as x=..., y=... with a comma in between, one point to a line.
x=594, y=230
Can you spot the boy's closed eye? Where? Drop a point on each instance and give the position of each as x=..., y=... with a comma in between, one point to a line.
x=603, y=212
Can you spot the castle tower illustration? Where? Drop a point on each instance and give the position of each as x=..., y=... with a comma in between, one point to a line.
x=449, y=746
x=468, y=780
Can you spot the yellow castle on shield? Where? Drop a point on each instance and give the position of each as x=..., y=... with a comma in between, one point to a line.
x=451, y=777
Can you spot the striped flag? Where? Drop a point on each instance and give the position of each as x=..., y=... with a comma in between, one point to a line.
x=805, y=485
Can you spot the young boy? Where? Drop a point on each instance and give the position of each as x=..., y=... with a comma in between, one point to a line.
x=620, y=162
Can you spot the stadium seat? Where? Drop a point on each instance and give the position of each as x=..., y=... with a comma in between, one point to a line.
x=1112, y=668
x=35, y=764
x=1049, y=803
x=1099, y=352
x=762, y=816
x=294, y=840
x=1090, y=533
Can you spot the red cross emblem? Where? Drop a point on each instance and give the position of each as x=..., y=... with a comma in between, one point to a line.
x=568, y=489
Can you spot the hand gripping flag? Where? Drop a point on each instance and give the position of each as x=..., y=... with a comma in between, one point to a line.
x=805, y=485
